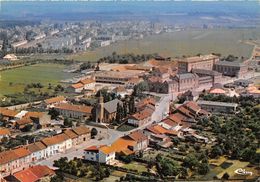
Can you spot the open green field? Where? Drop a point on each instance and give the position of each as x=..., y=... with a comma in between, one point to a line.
x=190, y=42
x=19, y=77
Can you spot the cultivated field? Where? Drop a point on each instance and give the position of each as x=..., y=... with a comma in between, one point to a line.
x=191, y=42
x=14, y=80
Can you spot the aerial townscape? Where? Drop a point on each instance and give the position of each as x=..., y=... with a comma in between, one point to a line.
x=82, y=98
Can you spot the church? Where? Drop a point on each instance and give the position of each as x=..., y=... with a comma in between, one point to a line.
x=106, y=112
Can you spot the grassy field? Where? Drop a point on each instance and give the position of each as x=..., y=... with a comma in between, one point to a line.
x=137, y=166
x=191, y=42
x=19, y=77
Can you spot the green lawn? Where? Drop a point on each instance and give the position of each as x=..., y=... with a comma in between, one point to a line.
x=136, y=166
x=19, y=77
x=190, y=42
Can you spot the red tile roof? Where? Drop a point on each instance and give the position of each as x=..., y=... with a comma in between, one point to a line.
x=11, y=155
x=86, y=81
x=54, y=100
x=137, y=136
x=77, y=85
x=4, y=131
x=8, y=112
x=141, y=115
x=78, y=108
x=55, y=139
x=34, y=173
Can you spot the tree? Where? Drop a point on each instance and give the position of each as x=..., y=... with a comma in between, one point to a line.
x=93, y=132
x=203, y=168
x=190, y=161
x=216, y=151
x=54, y=113
x=167, y=167
x=67, y=122
x=131, y=104
x=119, y=113
x=225, y=176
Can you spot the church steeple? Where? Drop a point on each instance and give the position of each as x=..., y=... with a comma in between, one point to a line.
x=100, y=109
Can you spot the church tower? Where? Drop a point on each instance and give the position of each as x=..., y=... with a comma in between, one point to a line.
x=100, y=110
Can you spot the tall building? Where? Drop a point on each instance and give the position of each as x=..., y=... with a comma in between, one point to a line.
x=205, y=62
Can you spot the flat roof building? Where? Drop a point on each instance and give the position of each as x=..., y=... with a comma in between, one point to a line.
x=218, y=107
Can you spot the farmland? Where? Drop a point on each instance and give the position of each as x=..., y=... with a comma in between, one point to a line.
x=14, y=80
x=188, y=42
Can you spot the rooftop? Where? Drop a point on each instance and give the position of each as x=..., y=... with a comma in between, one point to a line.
x=53, y=140
x=213, y=103
x=4, y=131
x=34, y=173
x=206, y=72
x=81, y=130
x=142, y=114
x=117, y=74
x=111, y=106
x=54, y=99
x=77, y=85
x=186, y=76
x=35, y=147
x=71, y=107
x=230, y=63
x=87, y=81
x=198, y=58
x=8, y=112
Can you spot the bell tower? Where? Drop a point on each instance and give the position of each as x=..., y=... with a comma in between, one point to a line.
x=100, y=110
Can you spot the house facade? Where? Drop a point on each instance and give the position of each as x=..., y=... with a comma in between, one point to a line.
x=102, y=154
x=57, y=144
x=14, y=160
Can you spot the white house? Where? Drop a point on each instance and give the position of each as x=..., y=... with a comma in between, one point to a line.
x=10, y=57
x=103, y=154
x=57, y=144
x=38, y=151
x=89, y=84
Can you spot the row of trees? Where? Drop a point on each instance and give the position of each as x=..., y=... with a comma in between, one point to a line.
x=126, y=58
